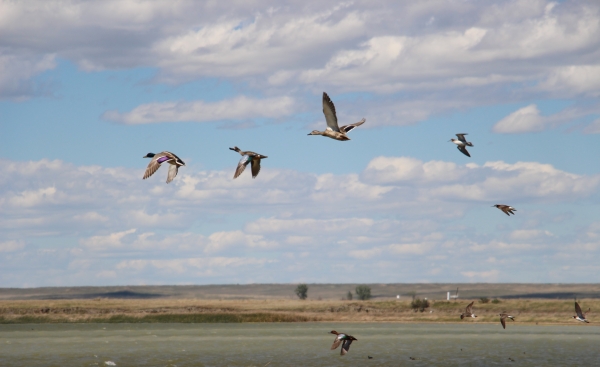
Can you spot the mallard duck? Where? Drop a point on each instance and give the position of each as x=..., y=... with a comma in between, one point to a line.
x=580, y=315
x=160, y=158
x=503, y=317
x=468, y=312
x=461, y=143
x=507, y=209
x=333, y=131
x=248, y=157
x=341, y=337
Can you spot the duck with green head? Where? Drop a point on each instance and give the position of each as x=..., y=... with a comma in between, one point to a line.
x=160, y=158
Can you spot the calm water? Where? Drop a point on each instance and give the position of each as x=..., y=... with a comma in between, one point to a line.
x=296, y=344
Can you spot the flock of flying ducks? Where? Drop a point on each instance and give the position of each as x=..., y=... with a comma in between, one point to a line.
x=345, y=339
x=333, y=131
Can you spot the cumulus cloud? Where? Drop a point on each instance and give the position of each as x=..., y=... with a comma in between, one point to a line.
x=529, y=119
x=399, y=210
x=526, y=119
x=449, y=56
x=198, y=111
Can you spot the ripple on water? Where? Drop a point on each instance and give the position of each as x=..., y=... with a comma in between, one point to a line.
x=297, y=344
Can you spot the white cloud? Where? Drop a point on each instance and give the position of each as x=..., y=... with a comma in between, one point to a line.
x=523, y=120
x=398, y=208
x=199, y=111
x=12, y=246
x=448, y=55
x=575, y=79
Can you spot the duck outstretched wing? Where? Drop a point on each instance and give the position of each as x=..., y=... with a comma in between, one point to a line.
x=347, y=128
x=329, y=112
x=241, y=166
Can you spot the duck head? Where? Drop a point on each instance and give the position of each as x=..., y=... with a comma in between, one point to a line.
x=315, y=132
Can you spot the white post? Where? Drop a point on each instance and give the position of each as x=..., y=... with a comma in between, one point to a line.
x=448, y=296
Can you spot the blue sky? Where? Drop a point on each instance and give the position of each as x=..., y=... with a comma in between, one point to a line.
x=89, y=88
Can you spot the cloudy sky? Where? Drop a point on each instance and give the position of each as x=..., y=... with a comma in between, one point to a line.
x=87, y=88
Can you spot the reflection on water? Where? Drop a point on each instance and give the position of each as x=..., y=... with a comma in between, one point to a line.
x=297, y=344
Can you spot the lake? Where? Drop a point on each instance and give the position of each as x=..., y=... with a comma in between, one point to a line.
x=297, y=344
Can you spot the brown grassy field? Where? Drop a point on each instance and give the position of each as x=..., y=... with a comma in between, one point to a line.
x=315, y=291
x=542, y=311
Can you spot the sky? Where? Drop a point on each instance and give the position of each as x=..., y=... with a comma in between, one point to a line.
x=87, y=88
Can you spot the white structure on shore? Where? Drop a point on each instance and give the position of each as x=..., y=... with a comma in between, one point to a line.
x=449, y=297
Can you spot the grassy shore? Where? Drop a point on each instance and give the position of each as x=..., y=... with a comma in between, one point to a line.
x=280, y=310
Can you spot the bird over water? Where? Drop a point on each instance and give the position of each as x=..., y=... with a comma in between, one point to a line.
x=344, y=339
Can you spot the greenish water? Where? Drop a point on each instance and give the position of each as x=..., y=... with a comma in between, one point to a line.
x=297, y=344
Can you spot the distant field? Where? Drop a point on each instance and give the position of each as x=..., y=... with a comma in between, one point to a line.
x=530, y=303
x=315, y=291
x=281, y=310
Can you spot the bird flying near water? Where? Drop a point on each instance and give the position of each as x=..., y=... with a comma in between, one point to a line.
x=468, y=311
x=580, y=315
x=344, y=339
x=503, y=317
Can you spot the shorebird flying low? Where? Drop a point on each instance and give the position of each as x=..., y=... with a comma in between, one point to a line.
x=580, y=315
x=468, y=312
x=503, y=317
x=248, y=158
x=343, y=339
x=462, y=143
x=160, y=158
x=507, y=209
x=333, y=131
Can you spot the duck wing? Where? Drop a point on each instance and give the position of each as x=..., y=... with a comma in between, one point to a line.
x=347, y=128
x=503, y=321
x=255, y=167
x=578, y=310
x=463, y=150
x=241, y=166
x=173, y=168
x=155, y=163
x=346, y=346
x=329, y=112
x=336, y=343
x=469, y=308
x=461, y=137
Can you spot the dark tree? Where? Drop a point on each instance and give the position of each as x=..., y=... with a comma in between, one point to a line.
x=302, y=291
x=363, y=292
x=349, y=296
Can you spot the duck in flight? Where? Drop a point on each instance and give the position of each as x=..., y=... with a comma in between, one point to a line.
x=468, y=311
x=580, y=315
x=248, y=158
x=507, y=209
x=342, y=338
x=503, y=317
x=333, y=131
x=462, y=143
x=160, y=158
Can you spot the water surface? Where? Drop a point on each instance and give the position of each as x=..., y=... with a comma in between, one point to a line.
x=297, y=344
